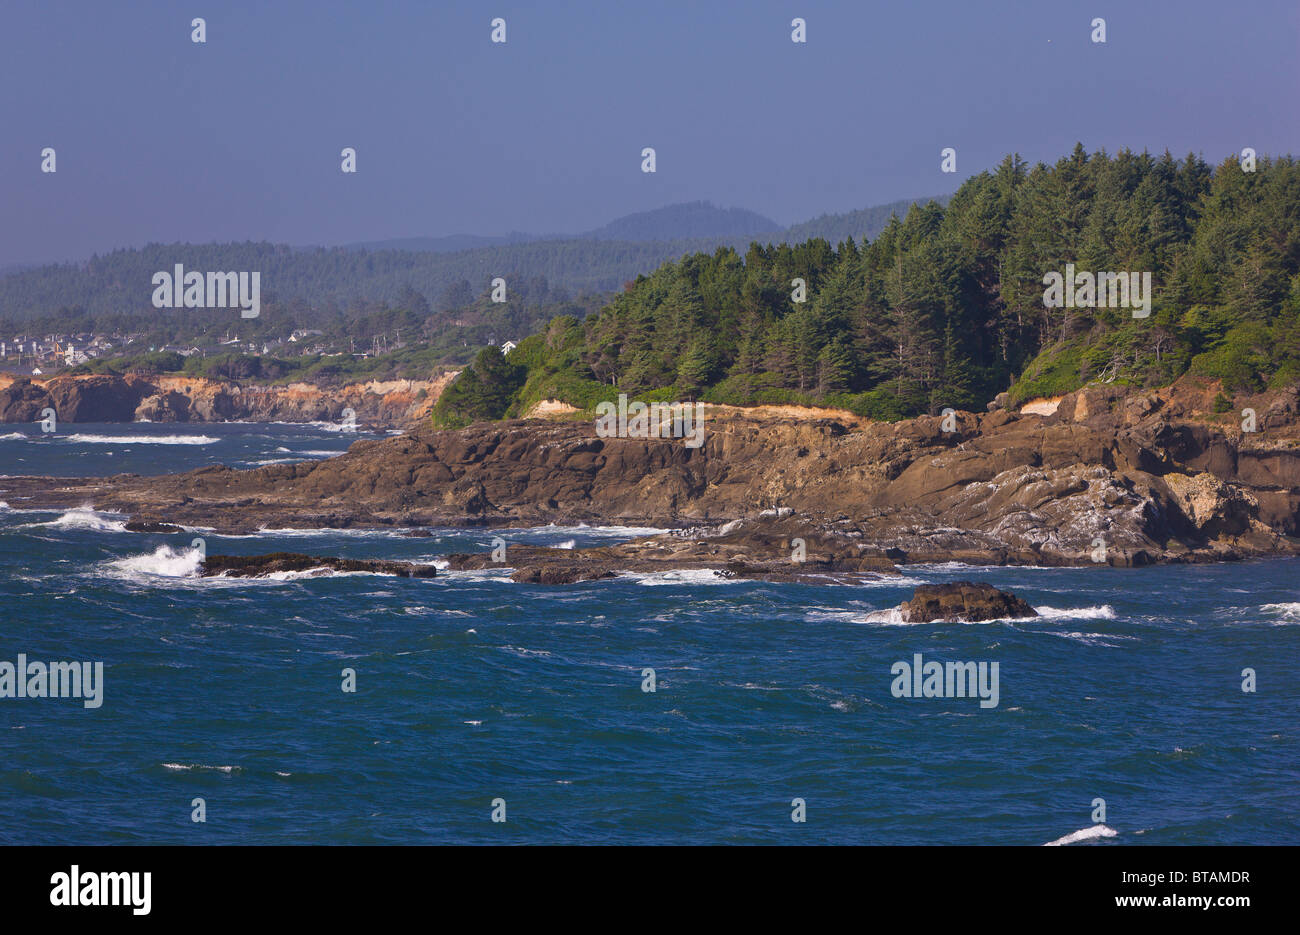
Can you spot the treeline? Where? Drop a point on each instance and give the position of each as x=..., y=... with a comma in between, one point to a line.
x=450, y=336
x=326, y=282
x=946, y=306
x=416, y=363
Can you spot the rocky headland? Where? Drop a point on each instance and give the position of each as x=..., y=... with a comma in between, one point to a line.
x=1104, y=475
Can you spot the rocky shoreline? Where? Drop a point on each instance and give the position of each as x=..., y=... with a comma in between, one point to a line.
x=183, y=399
x=1108, y=476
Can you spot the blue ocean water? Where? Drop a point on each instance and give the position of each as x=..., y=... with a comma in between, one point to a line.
x=471, y=688
x=99, y=449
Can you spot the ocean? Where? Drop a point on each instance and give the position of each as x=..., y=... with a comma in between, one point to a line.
x=476, y=696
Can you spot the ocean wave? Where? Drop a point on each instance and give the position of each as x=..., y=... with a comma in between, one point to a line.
x=893, y=616
x=1095, y=639
x=86, y=518
x=13, y=437
x=889, y=581
x=194, y=766
x=1288, y=612
x=1104, y=612
x=680, y=576
x=477, y=574
x=162, y=562
x=142, y=439
x=1091, y=833
x=632, y=532
x=330, y=531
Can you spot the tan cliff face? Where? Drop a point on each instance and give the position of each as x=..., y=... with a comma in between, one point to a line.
x=168, y=398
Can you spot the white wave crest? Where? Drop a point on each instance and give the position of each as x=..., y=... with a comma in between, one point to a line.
x=189, y=766
x=162, y=562
x=86, y=518
x=680, y=576
x=1091, y=833
x=1288, y=612
x=631, y=532
x=13, y=437
x=1104, y=612
x=143, y=439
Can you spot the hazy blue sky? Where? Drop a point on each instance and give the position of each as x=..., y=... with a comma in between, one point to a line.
x=160, y=139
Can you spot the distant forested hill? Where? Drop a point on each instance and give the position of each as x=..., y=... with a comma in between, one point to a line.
x=947, y=306
x=864, y=224
x=698, y=219
x=445, y=271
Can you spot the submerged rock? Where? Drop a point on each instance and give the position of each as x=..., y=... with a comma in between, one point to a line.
x=969, y=601
x=151, y=526
x=561, y=573
x=259, y=566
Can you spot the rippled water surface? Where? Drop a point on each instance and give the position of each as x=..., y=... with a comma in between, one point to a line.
x=471, y=688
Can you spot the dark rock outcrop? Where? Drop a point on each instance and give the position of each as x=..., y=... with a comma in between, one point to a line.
x=759, y=549
x=22, y=401
x=561, y=574
x=258, y=566
x=1114, y=477
x=963, y=600
x=151, y=526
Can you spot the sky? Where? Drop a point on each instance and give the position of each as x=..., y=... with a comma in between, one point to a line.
x=160, y=139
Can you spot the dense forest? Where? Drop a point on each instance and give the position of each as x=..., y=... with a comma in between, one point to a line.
x=946, y=307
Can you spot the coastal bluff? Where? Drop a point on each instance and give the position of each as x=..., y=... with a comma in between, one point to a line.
x=1113, y=476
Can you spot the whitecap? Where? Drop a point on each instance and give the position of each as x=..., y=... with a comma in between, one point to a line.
x=162, y=562
x=1091, y=833
x=143, y=439
x=86, y=518
x=1104, y=612
x=191, y=766
x=1287, y=612
x=680, y=576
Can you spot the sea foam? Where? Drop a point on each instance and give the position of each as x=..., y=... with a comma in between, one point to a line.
x=1091, y=833
x=143, y=439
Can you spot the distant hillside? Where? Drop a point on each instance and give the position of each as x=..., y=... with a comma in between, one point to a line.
x=691, y=220
x=445, y=271
x=868, y=222
x=455, y=243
